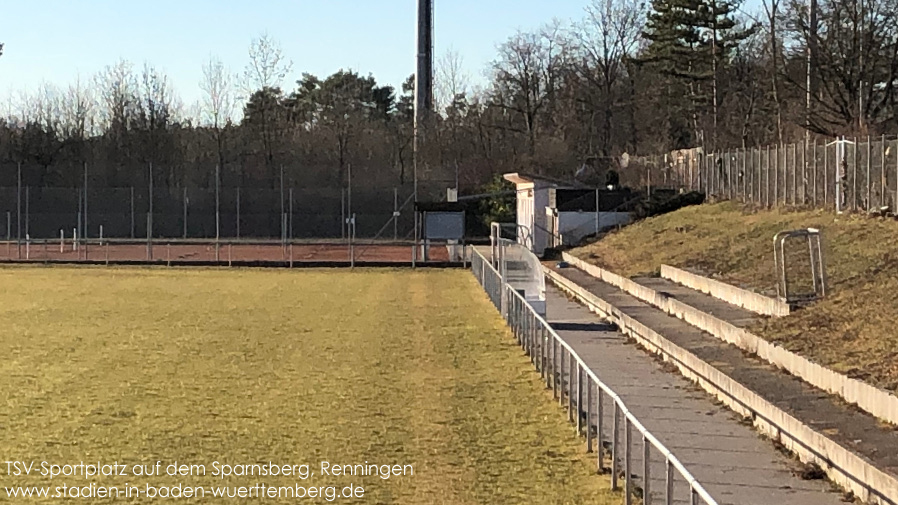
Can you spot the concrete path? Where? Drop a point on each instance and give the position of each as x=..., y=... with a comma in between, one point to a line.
x=727, y=456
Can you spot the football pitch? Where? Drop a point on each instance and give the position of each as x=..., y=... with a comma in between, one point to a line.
x=201, y=384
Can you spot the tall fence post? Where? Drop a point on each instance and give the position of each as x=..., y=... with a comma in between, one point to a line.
x=238, y=212
x=814, y=173
x=825, y=172
x=150, y=216
x=85, y=232
x=133, y=233
x=854, y=202
x=882, y=172
x=767, y=179
x=185, y=211
x=869, y=171
x=217, y=211
x=794, y=174
x=27, y=211
x=283, y=213
x=79, y=214
x=19, y=212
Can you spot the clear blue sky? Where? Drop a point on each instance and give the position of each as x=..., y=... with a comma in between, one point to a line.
x=56, y=40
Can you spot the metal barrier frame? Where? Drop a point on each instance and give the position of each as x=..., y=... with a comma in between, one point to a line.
x=549, y=353
x=818, y=267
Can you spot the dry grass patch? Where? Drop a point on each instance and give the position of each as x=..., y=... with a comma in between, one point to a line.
x=249, y=366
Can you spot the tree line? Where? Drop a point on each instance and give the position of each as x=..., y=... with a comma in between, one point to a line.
x=627, y=77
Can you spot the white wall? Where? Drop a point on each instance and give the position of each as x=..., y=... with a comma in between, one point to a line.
x=540, y=235
x=525, y=203
x=573, y=226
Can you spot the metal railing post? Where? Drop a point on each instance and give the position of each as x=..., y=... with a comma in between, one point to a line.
x=614, y=446
x=600, y=447
x=646, y=471
x=570, y=387
x=579, y=399
x=588, y=415
x=628, y=452
x=553, y=369
x=668, y=495
x=559, y=377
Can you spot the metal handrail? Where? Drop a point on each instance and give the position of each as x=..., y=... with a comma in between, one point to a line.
x=547, y=351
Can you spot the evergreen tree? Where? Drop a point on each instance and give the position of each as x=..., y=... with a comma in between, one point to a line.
x=689, y=42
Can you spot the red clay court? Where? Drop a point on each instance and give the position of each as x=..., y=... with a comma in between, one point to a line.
x=227, y=252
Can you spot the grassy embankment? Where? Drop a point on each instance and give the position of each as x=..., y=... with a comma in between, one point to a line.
x=851, y=331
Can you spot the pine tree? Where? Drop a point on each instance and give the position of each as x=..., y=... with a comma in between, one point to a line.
x=689, y=42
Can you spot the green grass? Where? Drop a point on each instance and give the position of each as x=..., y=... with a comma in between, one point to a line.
x=241, y=366
x=852, y=331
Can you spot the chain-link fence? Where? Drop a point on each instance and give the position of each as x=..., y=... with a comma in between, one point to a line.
x=845, y=174
x=202, y=212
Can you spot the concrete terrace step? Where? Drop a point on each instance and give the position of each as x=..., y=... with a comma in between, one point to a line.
x=731, y=461
x=856, y=431
x=706, y=303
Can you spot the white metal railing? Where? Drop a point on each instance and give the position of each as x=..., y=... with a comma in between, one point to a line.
x=522, y=269
x=549, y=353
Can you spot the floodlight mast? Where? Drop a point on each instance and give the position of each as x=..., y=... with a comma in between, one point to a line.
x=423, y=89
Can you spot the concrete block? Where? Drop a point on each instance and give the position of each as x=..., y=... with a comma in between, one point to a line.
x=744, y=298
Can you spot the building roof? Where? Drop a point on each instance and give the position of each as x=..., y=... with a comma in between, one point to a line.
x=526, y=178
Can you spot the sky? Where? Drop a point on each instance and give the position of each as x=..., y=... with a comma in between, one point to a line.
x=57, y=41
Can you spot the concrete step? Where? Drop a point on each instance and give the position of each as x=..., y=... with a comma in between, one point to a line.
x=853, y=445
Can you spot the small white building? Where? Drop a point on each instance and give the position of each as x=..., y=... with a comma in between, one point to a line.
x=554, y=213
x=532, y=200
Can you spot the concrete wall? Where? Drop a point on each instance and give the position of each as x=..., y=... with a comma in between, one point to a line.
x=877, y=402
x=736, y=296
x=532, y=200
x=573, y=226
x=841, y=465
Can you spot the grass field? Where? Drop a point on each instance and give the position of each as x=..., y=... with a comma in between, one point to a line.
x=293, y=367
x=852, y=331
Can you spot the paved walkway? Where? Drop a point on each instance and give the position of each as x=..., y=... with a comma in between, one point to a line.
x=728, y=457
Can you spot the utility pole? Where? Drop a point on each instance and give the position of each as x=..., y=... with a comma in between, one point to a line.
x=423, y=89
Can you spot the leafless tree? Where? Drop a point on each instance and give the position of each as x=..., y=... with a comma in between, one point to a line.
x=452, y=80
x=219, y=102
x=78, y=111
x=117, y=91
x=267, y=67
x=527, y=76
x=263, y=76
x=609, y=35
